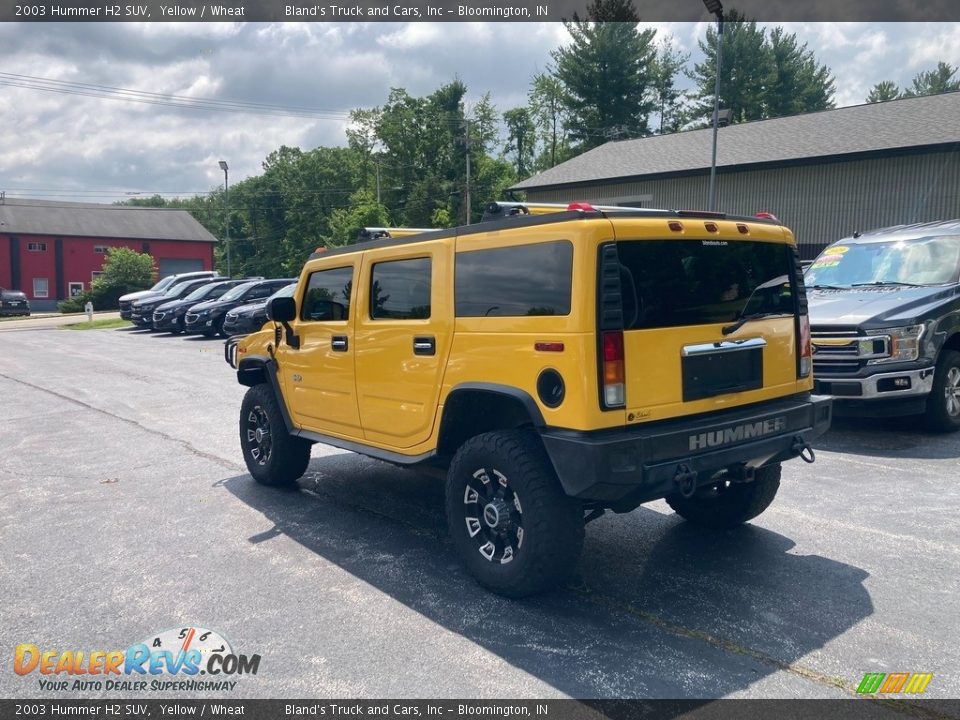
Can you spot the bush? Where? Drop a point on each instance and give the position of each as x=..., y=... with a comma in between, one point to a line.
x=124, y=271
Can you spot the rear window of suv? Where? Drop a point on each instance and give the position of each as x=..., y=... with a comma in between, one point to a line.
x=669, y=283
x=523, y=280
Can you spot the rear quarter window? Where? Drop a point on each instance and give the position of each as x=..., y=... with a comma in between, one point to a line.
x=523, y=280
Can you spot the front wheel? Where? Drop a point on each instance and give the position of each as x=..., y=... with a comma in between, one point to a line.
x=943, y=404
x=726, y=504
x=514, y=528
x=273, y=456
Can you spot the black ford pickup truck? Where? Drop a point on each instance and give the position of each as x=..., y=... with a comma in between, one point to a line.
x=885, y=322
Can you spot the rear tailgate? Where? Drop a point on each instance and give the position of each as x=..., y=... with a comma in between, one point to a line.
x=680, y=290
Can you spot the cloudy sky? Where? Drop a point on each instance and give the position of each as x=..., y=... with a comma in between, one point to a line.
x=68, y=145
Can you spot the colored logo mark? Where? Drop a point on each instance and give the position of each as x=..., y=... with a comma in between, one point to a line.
x=893, y=683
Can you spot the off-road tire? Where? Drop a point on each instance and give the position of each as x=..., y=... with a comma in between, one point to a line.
x=943, y=404
x=285, y=458
x=548, y=523
x=728, y=504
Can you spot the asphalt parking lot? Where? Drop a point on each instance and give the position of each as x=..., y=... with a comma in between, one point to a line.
x=125, y=509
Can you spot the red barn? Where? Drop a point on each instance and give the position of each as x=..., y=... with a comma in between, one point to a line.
x=52, y=250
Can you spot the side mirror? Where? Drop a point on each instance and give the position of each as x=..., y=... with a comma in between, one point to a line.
x=282, y=309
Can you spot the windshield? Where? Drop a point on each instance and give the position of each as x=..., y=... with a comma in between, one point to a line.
x=164, y=284
x=208, y=291
x=915, y=261
x=667, y=283
x=285, y=291
x=238, y=291
x=182, y=290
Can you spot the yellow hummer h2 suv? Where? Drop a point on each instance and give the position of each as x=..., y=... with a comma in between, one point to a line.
x=555, y=363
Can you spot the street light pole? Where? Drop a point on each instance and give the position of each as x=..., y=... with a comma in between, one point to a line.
x=226, y=211
x=716, y=8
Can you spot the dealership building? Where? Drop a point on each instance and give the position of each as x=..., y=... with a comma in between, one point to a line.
x=53, y=250
x=825, y=175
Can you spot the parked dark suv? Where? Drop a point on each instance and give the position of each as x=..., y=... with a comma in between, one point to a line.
x=126, y=301
x=208, y=317
x=13, y=302
x=249, y=318
x=141, y=313
x=885, y=322
x=170, y=315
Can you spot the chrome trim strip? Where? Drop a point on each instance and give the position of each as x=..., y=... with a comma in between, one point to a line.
x=723, y=347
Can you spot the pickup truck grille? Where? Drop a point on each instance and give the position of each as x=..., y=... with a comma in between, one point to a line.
x=836, y=351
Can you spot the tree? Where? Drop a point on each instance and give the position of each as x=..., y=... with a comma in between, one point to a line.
x=124, y=271
x=761, y=77
x=799, y=83
x=670, y=101
x=127, y=268
x=934, y=82
x=363, y=211
x=548, y=108
x=521, y=139
x=611, y=11
x=883, y=91
x=607, y=73
x=746, y=68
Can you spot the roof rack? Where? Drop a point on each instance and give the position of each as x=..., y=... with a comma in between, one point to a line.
x=503, y=209
x=374, y=233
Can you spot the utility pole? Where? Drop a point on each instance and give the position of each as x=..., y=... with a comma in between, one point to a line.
x=467, y=144
x=226, y=211
x=378, y=181
x=715, y=7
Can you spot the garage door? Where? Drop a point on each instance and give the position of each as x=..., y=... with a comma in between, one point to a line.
x=172, y=266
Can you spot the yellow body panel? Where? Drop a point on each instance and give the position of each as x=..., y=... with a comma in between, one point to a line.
x=383, y=395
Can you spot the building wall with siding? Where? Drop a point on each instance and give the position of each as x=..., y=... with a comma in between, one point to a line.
x=820, y=202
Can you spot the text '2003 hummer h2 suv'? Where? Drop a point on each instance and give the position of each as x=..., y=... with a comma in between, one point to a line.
x=555, y=365
x=885, y=315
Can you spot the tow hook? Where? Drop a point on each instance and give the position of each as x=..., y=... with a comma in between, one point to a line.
x=803, y=449
x=686, y=480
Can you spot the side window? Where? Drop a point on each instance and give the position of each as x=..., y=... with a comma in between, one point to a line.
x=515, y=281
x=328, y=295
x=400, y=290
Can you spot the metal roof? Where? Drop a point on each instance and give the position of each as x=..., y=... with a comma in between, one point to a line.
x=45, y=217
x=912, y=230
x=896, y=124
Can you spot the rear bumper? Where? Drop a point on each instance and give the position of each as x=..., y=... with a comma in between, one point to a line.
x=645, y=462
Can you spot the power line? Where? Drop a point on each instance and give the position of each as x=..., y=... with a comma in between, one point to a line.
x=107, y=92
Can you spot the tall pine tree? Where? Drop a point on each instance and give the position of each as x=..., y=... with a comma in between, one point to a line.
x=607, y=72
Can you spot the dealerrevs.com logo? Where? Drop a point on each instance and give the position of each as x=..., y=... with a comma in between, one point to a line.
x=172, y=660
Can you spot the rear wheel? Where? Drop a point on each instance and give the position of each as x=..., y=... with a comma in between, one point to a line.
x=511, y=523
x=273, y=456
x=943, y=404
x=727, y=504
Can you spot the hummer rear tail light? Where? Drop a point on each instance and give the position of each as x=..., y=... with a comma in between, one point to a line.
x=614, y=377
x=805, y=349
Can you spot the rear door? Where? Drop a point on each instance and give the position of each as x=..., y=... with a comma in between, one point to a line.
x=403, y=333
x=683, y=294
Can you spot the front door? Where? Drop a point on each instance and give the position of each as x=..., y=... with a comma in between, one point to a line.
x=318, y=377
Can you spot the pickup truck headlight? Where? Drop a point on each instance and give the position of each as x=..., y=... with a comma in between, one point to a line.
x=903, y=344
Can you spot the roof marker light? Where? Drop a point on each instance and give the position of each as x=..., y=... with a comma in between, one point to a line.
x=744, y=230
x=711, y=227
x=675, y=225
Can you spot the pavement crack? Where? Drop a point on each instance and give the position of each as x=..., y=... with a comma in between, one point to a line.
x=159, y=433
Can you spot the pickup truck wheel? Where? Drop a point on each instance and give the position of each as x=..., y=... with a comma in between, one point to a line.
x=943, y=405
x=273, y=456
x=728, y=504
x=511, y=523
